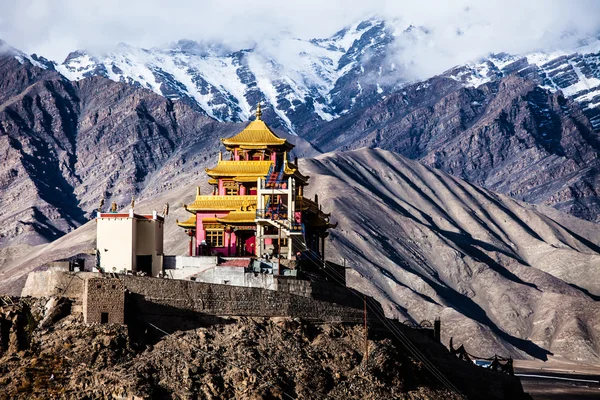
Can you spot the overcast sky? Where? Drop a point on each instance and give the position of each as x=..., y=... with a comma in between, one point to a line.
x=460, y=29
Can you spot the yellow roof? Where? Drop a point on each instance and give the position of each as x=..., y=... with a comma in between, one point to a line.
x=247, y=178
x=256, y=135
x=221, y=203
x=238, y=217
x=240, y=168
x=189, y=223
x=291, y=169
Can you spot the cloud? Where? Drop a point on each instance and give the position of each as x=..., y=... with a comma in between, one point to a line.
x=458, y=30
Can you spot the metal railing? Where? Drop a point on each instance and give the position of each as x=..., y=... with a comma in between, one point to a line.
x=266, y=184
x=280, y=217
x=273, y=213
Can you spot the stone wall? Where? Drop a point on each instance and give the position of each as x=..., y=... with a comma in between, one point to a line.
x=177, y=301
x=104, y=296
x=56, y=283
x=155, y=296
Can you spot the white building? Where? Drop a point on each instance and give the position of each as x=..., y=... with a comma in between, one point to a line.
x=130, y=242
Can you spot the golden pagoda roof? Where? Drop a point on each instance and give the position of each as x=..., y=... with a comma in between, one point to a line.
x=188, y=223
x=256, y=135
x=239, y=217
x=240, y=168
x=221, y=203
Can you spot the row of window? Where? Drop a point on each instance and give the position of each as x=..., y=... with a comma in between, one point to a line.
x=215, y=238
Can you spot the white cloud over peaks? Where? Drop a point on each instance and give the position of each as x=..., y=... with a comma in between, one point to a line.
x=458, y=30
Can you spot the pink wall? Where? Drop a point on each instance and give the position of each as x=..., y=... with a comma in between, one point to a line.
x=200, y=227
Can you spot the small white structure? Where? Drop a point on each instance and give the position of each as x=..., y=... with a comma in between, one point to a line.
x=130, y=242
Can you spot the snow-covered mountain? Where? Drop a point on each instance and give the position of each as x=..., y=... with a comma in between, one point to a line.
x=302, y=81
x=575, y=73
x=299, y=79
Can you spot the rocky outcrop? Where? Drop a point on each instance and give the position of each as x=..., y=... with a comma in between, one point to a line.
x=242, y=358
x=16, y=324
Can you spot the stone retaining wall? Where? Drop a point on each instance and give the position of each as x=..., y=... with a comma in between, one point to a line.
x=147, y=297
x=176, y=296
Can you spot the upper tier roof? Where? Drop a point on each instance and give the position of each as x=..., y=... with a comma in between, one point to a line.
x=256, y=135
x=232, y=168
x=221, y=203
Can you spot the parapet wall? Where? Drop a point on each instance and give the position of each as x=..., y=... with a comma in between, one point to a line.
x=56, y=283
x=155, y=297
x=175, y=296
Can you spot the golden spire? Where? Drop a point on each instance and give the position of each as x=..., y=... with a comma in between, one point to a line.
x=258, y=111
x=197, y=190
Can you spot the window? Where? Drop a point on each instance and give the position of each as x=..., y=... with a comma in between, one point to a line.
x=231, y=188
x=214, y=238
x=104, y=318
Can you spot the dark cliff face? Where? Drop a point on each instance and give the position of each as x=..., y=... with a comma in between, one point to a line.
x=67, y=145
x=508, y=135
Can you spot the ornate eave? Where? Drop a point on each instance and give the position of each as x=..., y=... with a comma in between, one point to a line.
x=221, y=203
x=240, y=168
x=189, y=223
x=290, y=169
x=238, y=217
x=242, y=179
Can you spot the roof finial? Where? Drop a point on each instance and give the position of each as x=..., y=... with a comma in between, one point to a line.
x=258, y=111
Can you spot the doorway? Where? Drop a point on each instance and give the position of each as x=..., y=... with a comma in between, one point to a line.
x=144, y=264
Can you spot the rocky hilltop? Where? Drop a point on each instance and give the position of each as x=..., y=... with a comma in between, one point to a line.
x=52, y=353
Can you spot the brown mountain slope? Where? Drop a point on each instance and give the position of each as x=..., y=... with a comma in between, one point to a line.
x=503, y=276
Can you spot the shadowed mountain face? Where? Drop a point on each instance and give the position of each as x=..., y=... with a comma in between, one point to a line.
x=503, y=276
x=508, y=135
x=65, y=146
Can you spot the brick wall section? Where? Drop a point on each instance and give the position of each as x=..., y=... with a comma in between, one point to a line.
x=104, y=295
